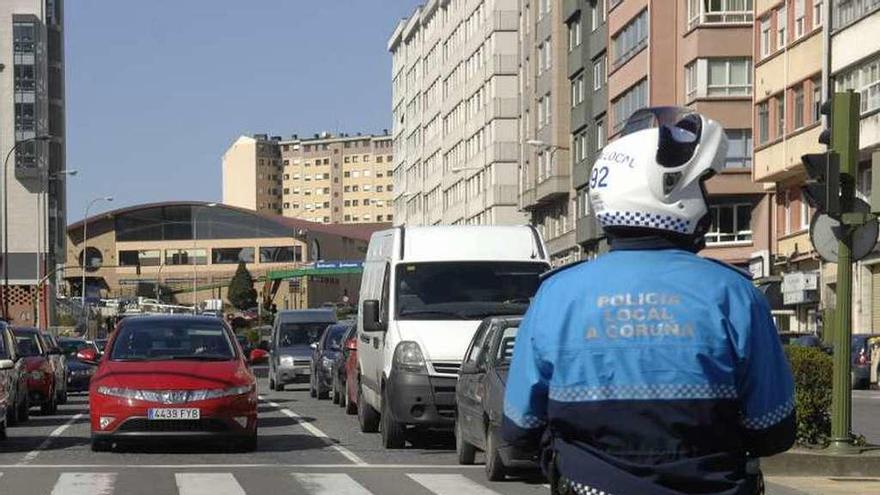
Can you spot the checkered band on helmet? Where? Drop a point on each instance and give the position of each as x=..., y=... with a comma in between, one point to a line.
x=644, y=219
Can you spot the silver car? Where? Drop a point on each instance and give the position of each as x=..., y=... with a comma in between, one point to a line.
x=13, y=378
x=293, y=334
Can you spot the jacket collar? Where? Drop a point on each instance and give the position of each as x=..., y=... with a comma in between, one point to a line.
x=646, y=243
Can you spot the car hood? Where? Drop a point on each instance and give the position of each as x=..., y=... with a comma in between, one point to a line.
x=445, y=340
x=297, y=351
x=173, y=375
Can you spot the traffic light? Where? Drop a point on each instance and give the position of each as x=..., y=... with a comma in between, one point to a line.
x=825, y=135
x=822, y=187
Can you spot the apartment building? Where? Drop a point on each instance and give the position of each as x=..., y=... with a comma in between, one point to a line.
x=546, y=168
x=855, y=65
x=697, y=54
x=586, y=24
x=32, y=139
x=455, y=110
x=325, y=178
x=787, y=97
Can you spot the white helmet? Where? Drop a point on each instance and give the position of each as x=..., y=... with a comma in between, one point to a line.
x=652, y=176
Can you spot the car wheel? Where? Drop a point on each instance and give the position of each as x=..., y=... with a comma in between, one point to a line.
x=49, y=407
x=248, y=444
x=312, y=392
x=465, y=451
x=25, y=412
x=101, y=445
x=3, y=430
x=62, y=397
x=350, y=405
x=271, y=383
x=320, y=390
x=334, y=393
x=393, y=433
x=12, y=414
x=368, y=418
x=278, y=386
x=495, y=470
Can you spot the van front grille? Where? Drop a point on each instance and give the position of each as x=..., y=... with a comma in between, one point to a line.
x=446, y=367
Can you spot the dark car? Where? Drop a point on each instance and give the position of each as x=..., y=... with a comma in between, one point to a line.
x=13, y=379
x=59, y=366
x=338, y=391
x=860, y=353
x=324, y=353
x=479, y=396
x=101, y=344
x=80, y=374
x=41, y=376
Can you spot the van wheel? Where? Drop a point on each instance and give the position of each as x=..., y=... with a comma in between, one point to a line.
x=393, y=433
x=495, y=470
x=465, y=451
x=334, y=393
x=368, y=418
x=278, y=386
x=351, y=407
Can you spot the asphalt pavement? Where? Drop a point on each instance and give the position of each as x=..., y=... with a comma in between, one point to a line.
x=306, y=446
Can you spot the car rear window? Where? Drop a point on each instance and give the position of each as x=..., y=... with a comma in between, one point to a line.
x=28, y=344
x=172, y=340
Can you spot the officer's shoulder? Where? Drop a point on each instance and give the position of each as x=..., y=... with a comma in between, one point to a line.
x=728, y=268
x=562, y=271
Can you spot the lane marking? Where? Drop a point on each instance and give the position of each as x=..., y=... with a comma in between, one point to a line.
x=371, y=467
x=84, y=484
x=208, y=484
x=330, y=484
x=450, y=484
x=315, y=431
x=55, y=433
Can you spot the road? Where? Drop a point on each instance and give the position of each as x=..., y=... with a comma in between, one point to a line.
x=866, y=414
x=306, y=447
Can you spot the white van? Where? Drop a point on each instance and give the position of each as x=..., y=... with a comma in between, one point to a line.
x=424, y=292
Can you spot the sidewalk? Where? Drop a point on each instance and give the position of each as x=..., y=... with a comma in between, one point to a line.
x=800, y=485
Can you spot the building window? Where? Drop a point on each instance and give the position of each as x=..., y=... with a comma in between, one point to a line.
x=599, y=72
x=797, y=97
x=597, y=14
x=780, y=116
x=781, y=27
x=805, y=213
x=739, y=148
x=635, y=98
x=574, y=34
x=232, y=256
x=864, y=80
x=817, y=100
x=577, y=90
x=765, y=37
x=186, y=257
x=630, y=39
x=818, y=12
x=600, y=134
x=718, y=12
x=799, y=18
x=281, y=254
x=544, y=56
x=140, y=258
x=763, y=122
x=729, y=77
x=730, y=223
x=690, y=81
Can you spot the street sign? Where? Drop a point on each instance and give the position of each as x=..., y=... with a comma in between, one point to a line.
x=825, y=233
x=800, y=281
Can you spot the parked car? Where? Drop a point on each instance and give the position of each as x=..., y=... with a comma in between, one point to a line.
x=860, y=353
x=13, y=378
x=293, y=334
x=480, y=399
x=59, y=366
x=344, y=390
x=101, y=344
x=443, y=281
x=81, y=373
x=324, y=352
x=41, y=376
x=172, y=376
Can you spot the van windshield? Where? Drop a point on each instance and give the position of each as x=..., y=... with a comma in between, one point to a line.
x=303, y=333
x=465, y=290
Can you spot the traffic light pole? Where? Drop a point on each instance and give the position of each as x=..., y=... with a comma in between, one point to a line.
x=845, y=142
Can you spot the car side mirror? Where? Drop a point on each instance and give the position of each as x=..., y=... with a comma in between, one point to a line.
x=470, y=369
x=258, y=356
x=88, y=356
x=372, y=320
x=7, y=364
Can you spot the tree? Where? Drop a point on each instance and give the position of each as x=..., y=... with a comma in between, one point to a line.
x=242, y=294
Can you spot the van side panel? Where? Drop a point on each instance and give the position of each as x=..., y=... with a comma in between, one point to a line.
x=379, y=254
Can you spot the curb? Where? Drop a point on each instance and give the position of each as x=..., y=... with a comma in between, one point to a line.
x=811, y=463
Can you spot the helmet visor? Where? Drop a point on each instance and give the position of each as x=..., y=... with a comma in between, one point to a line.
x=651, y=117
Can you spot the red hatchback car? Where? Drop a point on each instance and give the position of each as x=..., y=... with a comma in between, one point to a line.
x=352, y=380
x=172, y=376
x=40, y=372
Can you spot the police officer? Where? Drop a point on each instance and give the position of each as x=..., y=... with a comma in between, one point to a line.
x=651, y=370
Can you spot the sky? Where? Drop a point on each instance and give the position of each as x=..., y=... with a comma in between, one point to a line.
x=157, y=90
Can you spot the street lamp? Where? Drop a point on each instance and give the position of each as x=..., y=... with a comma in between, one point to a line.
x=195, y=239
x=85, y=246
x=544, y=146
x=43, y=240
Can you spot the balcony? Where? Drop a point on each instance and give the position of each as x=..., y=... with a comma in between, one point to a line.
x=552, y=188
x=502, y=108
x=499, y=195
x=505, y=151
x=782, y=159
x=720, y=18
x=502, y=20
x=561, y=243
x=527, y=198
x=502, y=65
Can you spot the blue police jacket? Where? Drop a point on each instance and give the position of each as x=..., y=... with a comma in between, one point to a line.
x=650, y=371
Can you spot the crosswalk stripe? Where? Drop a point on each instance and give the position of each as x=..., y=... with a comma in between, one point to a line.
x=84, y=484
x=208, y=484
x=451, y=484
x=330, y=484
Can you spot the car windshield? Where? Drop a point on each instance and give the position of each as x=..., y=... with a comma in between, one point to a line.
x=28, y=344
x=145, y=340
x=465, y=290
x=334, y=337
x=72, y=346
x=302, y=333
x=504, y=352
x=4, y=352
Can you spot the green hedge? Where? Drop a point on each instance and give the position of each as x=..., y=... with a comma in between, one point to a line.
x=812, y=370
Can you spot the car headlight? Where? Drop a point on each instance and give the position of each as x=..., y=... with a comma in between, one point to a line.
x=286, y=360
x=36, y=375
x=408, y=357
x=174, y=396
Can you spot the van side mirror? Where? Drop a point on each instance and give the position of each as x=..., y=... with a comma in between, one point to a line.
x=372, y=319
